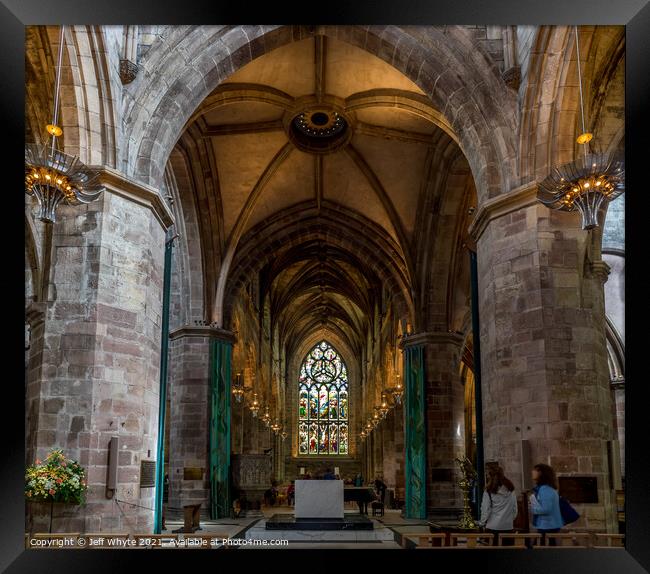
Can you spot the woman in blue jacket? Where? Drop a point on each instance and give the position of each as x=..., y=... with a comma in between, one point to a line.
x=545, y=501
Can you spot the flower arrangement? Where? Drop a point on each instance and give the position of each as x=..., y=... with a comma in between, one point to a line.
x=58, y=479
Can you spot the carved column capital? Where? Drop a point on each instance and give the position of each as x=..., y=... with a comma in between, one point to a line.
x=600, y=270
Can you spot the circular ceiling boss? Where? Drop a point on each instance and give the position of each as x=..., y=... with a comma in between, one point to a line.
x=318, y=128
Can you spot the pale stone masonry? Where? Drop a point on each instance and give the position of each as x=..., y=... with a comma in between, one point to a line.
x=363, y=244
x=543, y=353
x=95, y=358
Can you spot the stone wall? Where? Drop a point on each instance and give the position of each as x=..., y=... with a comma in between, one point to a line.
x=188, y=419
x=95, y=359
x=543, y=356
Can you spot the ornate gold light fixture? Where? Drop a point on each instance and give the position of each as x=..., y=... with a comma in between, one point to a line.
x=398, y=390
x=266, y=418
x=238, y=389
x=254, y=406
x=586, y=183
x=384, y=408
x=465, y=483
x=276, y=427
x=52, y=176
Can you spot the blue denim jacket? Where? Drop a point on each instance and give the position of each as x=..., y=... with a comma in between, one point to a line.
x=546, y=511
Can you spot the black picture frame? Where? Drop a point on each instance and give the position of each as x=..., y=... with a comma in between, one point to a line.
x=634, y=14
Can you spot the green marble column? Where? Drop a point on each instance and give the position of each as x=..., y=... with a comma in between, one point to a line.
x=220, y=367
x=415, y=432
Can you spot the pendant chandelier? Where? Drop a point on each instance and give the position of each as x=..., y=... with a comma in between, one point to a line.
x=238, y=388
x=53, y=176
x=589, y=181
x=397, y=391
x=254, y=406
x=266, y=418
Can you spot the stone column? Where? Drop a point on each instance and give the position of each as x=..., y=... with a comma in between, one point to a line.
x=95, y=356
x=415, y=430
x=444, y=412
x=543, y=348
x=189, y=369
x=199, y=371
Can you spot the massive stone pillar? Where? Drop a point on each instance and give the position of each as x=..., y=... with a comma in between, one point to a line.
x=546, y=395
x=443, y=416
x=95, y=354
x=199, y=421
x=188, y=420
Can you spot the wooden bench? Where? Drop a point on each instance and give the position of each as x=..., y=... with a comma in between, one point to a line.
x=424, y=539
x=472, y=540
x=523, y=539
x=191, y=519
x=567, y=540
x=608, y=540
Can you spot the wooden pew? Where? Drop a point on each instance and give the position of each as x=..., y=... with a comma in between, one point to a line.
x=521, y=538
x=609, y=540
x=425, y=539
x=567, y=540
x=472, y=540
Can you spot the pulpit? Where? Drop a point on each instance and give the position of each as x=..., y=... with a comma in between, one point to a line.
x=252, y=474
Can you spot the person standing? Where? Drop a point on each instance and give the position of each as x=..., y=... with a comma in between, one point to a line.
x=291, y=493
x=499, y=503
x=545, y=502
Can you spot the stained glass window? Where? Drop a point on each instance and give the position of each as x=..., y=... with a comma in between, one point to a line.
x=323, y=403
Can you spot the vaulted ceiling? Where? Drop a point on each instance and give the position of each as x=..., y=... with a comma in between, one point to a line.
x=381, y=192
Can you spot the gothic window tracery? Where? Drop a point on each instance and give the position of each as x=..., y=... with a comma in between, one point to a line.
x=323, y=403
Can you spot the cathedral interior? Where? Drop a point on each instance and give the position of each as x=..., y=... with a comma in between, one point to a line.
x=278, y=278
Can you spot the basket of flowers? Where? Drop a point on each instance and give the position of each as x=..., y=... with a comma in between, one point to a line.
x=57, y=479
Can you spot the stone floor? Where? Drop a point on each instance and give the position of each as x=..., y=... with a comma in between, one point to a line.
x=224, y=527
x=380, y=537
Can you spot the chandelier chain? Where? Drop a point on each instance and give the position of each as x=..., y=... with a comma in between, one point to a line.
x=582, y=107
x=57, y=86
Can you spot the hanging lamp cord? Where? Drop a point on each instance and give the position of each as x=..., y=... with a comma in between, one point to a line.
x=582, y=107
x=55, y=116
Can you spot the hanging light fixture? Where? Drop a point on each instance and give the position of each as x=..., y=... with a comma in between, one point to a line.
x=384, y=408
x=52, y=176
x=255, y=405
x=276, y=426
x=397, y=391
x=589, y=181
x=238, y=388
x=266, y=418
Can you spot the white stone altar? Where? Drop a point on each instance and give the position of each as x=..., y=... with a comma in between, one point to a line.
x=319, y=499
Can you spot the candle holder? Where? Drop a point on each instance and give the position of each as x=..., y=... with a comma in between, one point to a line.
x=465, y=483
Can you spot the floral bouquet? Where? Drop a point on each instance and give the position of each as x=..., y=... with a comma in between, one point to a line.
x=58, y=479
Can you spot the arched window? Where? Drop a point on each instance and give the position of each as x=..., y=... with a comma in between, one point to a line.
x=323, y=403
